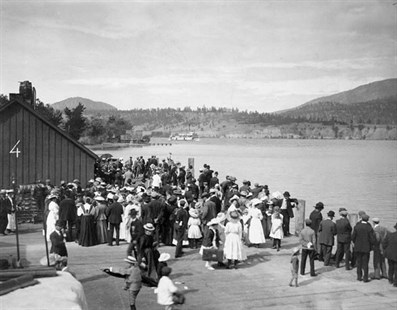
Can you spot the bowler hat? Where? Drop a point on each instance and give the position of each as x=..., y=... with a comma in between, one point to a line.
x=319, y=205
x=342, y=209
x=331, y=213
x=286, y=194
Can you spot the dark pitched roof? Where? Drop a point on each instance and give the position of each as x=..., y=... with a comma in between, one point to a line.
x=60, y=131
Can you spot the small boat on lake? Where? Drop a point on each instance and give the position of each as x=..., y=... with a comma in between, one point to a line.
x=189, y=136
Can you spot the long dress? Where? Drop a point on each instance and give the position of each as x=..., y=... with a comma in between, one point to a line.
x=125, y=222
x=255, y=231
x=52, y=217
x=233, y=248
x=87, y=230
x=276, y=231
x=101, y=226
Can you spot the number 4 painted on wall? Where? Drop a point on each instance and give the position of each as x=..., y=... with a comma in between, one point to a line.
x=15, y=149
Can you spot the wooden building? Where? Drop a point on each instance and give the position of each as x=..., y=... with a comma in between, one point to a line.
x=31, y=149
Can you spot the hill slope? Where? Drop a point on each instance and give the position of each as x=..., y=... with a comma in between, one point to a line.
x=90, y=105
x=371, y=103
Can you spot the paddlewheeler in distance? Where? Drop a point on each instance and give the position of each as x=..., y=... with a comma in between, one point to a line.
x=189, y=136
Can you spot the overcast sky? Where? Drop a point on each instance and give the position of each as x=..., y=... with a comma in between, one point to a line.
x=253, y=55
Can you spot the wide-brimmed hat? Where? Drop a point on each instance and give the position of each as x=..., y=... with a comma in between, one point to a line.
x=164, y=257
x=148, y=226
x=214, y=221
x=110, y=196
x=243, y=193
x=221, y=217
x=235, y=197
x=193, y=213
x=99, y=198
x=51, y=196
x=130, y=259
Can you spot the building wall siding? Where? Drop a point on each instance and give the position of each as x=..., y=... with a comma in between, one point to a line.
x=44, y=152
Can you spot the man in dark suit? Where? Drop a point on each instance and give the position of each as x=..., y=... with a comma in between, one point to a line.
x=156, y=209
x=286, y=205
x=379, y=258
x=114, y=212
x=327, y=231
x=208, y=211
x=316, y=217
x=343, y=237
x=68, y=214
x=363, y=238
x=57, y=241
x=390, y=251
x=180, y=226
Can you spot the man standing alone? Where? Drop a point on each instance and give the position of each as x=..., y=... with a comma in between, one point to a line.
x=363, y=238
x=113, y=213
x=306, y=239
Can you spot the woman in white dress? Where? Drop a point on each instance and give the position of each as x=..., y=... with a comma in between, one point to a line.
x=194, y=231
x=233, y=249
x=276, y=231
x=255, y=231
x=126, y=221
x=53, y=215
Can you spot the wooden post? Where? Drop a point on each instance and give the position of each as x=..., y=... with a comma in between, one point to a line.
x=300, y=216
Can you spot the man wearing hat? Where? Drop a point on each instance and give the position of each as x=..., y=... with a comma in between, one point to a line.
x=208, y=211
x=316, y=217
x=155, y=214
x=57, y=240
x=364, y=239
x=286, y=211
x=379, y=259
x=68, y=214
x=327, y=232
x=114, y=214
x=343, y=238
x=390, y=252
x=180, y=226
x=306, y=239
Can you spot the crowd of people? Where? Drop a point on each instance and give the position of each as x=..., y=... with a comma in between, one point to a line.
x=155, y=202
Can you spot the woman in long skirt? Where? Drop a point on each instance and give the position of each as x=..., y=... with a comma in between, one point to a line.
x=233, y=250
x=276, y=231
x=255, y=231
x=100, y=218
x=194, y=232
x=53, y=215
x=87, y=230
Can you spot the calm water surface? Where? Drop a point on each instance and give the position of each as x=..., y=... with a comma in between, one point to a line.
x=357, y=175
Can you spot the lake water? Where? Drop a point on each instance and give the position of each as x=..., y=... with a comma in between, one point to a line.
x=357, y=175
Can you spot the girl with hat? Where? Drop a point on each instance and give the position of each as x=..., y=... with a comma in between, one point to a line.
x=210, y=240
x=164, y=257
x=255, y=230
x=194, y=231
x=233, y=249
x=276, y=230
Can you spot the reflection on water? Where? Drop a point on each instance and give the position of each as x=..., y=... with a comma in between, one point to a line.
x=358, y=175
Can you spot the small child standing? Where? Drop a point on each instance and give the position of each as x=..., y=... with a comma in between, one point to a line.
x=194, y=231
x=133, y=280
x=294, y=266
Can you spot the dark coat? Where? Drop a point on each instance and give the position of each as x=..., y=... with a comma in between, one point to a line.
x=156, y=210
x=114, y=213
x=363, y=237
x=57, y=244
x=67, y=210
x=181, y=219
x=327, y=231
x=290, y=206
x=390, y=246
x=208, y=211
x=316, y=217
x=343, y=230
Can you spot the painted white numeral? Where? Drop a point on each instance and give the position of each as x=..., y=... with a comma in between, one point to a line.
x=15, y=149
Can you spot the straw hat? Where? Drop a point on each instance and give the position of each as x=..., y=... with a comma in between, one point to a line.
x=99, y=198
x=214, y=221
x=130, y=259
x=235, y=197
x=164, y=257
x=221, y=217
x=148, y=226
x=193, y=213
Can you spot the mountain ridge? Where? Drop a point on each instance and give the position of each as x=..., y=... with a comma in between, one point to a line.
x=90, y=105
